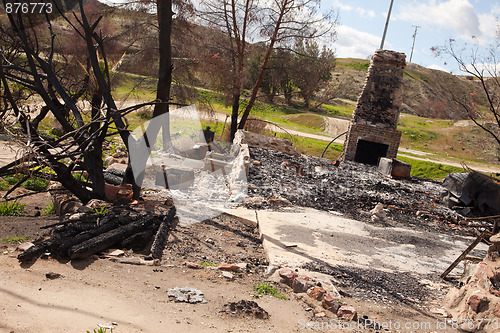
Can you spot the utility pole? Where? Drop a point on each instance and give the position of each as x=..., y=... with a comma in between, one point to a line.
x=386, y=25
x=414, y=36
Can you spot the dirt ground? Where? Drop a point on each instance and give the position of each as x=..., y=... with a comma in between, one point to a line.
x=133, y=298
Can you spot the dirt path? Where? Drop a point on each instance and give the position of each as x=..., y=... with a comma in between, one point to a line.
x=134, y=297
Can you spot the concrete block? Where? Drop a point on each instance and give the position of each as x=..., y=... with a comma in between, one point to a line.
x=394, y=168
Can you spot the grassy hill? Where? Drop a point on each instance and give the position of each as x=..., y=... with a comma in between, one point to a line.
x=427, y=92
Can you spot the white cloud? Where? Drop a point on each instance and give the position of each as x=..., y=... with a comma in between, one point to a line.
x=458, y=15
x=365, y=13
x=486, y=69
x=341, y=6
x=488, y=24
x=437, y=67
x=353, y=43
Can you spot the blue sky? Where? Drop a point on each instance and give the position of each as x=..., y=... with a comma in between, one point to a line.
x=362, y=25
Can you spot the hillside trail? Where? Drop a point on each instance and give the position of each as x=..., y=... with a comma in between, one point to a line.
x=333, y=127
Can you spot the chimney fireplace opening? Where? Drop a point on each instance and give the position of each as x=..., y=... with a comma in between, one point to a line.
x=369, y=152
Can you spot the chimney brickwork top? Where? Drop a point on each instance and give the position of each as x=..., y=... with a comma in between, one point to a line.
x=373, y=131
x=379, y=103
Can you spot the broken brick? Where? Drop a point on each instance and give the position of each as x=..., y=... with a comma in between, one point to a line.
x=287, y=275
x=330, y=303
x=347, y=312
x=227, y=267
x=496, y=312
x=478, y=304
x=316, y=293
x=301, y=284
x=193, y=265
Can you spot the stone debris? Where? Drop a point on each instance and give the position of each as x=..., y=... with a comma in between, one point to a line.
x=193, y=265
x=378, y=213
x=186, y=294
x=478, y=300
x=246, y=308
x=265, y=141
x=242, y=266
x=52, y=275
x=287, y=275
x=25, y=246
x=228, y=275
x=330, y=303
x=270, y=270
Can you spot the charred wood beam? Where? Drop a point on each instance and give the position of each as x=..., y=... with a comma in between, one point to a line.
x=168, y=223
x=109, y=239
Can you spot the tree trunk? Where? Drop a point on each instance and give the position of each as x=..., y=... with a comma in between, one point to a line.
x=263, y=68
x=164, y=10
x=234, y=115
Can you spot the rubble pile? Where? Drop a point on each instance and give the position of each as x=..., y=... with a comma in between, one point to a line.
x=352, y=189
x=477, y=302
x=472, y=193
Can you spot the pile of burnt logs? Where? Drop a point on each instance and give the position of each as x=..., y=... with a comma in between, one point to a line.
x=118, y=227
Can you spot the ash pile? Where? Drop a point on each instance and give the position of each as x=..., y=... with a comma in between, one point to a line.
x=355, y=190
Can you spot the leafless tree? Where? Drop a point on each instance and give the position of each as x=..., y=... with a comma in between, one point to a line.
x=31, y=67
x=275, y=22
x=483, y=67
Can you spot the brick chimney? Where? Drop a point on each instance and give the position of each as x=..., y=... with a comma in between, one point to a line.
x=373, y=130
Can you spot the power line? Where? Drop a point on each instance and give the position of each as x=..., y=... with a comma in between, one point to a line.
x=414, y=37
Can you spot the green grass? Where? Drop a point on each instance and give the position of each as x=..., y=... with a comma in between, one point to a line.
x=310, y=120
x=416, y=75
x=13, y=179
x=315, y=147
x=15, y=239
x=266, y=289
x=100, y=330
x=36, y=184
x=136, y=86
x=358, y=64
x=336, y=110
x=418, y=135
x=4, y=186
x=101, y=211
x=429, y=170
x=208, y=264
x=49, y=209
x=12, y=208
x=33, y=183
